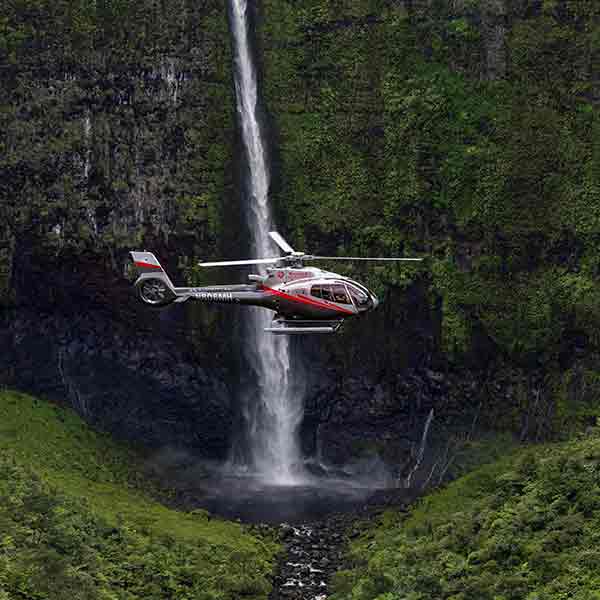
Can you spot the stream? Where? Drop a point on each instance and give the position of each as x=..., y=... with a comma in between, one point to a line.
x=314, y=520
x=314, y=550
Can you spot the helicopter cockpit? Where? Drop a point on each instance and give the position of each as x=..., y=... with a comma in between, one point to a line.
x=342, y=293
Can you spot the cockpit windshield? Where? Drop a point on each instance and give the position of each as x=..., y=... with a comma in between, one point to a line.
x=361, y=299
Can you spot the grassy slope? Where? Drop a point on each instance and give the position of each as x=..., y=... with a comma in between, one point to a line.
x=525, y=527
x=100, y=475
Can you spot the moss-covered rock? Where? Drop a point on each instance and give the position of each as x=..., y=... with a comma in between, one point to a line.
x=114, y=115
x=460, y=131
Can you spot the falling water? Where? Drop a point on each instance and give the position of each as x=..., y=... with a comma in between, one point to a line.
x=272, y=413
x=87, y=135
x=421, y=452
x=87, y=164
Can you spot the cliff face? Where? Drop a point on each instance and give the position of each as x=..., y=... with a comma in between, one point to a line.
x=465, y=132
x=460, y=131
x=117, y=123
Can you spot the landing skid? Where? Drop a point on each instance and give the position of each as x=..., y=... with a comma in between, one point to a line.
x=294, y=327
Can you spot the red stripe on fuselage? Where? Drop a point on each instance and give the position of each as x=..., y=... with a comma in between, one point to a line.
x=305, y=300
x=147, y=265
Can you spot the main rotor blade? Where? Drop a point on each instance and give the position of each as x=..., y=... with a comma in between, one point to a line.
x=230, y=263
x=278, y=239
x=361, y=258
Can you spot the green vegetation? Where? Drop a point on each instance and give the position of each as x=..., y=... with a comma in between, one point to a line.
x=408, y=131
x=116, y=116
x=526, y=527
x=75, y=515
x=465, y=131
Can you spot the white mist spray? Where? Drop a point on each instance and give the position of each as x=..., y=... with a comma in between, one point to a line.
x=274, y=414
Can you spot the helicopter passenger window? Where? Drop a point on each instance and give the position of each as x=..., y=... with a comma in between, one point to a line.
x=359, y=297
x=322, y=291
x=339, y=294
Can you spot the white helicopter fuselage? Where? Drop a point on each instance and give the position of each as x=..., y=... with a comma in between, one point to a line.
x=304, y=299
x=311, y=293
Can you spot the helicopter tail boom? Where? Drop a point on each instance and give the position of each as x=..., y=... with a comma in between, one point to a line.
x=154, y=287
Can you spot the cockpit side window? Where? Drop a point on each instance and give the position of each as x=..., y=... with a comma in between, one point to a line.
x=322, y=291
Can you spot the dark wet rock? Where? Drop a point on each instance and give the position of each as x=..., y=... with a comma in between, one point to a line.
x=139, y=386
x=316, y=551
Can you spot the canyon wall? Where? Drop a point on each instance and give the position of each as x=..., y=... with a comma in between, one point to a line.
x=465, y=132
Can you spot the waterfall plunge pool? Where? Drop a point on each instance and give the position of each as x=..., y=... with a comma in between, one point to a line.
x=251, y=498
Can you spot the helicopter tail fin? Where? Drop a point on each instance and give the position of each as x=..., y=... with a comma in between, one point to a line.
x=146, y=262
x=153, y=284
x=147, y=265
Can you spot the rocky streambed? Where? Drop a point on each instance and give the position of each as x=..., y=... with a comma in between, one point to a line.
x=314, y=550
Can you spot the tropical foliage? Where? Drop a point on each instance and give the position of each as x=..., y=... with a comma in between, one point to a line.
x=116, y=118
x=77, y=519
x=526, y=527
x=466, y=132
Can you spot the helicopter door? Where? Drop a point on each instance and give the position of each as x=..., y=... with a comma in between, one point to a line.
x=322, y=291
x=340, y=295
x=335, y=292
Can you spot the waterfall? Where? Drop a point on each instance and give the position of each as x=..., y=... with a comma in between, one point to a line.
x=87, y=136
x=87, y=165
x=421, y=452
x=273, y=411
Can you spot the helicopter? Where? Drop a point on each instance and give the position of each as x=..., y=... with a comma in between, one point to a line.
x=306, y=300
